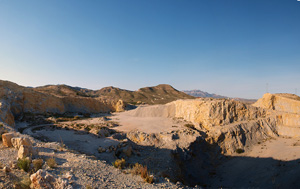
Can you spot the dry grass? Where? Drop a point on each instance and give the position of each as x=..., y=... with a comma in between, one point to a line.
x=119, y=163
x=37, y=164
x=139, y=169
x=136, y=169
x=51, y=162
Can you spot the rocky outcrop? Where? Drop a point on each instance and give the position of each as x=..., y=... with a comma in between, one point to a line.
x=280, y=102
x=286, y=108
x=229, y=124
x=240, y=135
x=6, y=115
x=204, y=113
x=44, y=180
x=6, y=139
x=16, y=100
x=17, y=142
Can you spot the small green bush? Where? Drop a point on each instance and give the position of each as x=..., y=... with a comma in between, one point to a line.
x=24, y=164
x=119, y=163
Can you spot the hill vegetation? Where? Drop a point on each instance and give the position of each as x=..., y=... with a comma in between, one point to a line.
x=159, y=94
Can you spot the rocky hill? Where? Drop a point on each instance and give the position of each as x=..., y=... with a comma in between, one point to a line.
x=159, y=94
x=15, y=101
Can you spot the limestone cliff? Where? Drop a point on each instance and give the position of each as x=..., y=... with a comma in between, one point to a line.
x=229, y=124
x=286, y=108
x=16, y=100
x=204, y=113
x=280, y=102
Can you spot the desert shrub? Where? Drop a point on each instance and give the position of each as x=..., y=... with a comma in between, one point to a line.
x=136, y=169
x=239, y=151
x=139, y=169
x=189, y=125
x=119, y=163
x=24, y=164
x=51, y=162
x=144, y=172
x=37, y=164
x=149, y=179
x=76, y=117
x=146, y=175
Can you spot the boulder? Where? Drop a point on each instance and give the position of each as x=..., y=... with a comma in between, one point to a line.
x=26, y=151
x=6, y=139
x=44, y=180
x=18, y=141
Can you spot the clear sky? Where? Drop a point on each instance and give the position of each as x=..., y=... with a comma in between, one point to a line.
x=227, y=47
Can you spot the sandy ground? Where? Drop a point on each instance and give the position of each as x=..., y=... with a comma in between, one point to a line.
x=271, y=164
x=145, y=124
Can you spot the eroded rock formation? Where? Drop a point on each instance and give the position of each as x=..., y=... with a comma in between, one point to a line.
x=16, y=100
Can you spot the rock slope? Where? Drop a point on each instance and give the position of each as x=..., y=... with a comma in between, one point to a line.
x=16, y=100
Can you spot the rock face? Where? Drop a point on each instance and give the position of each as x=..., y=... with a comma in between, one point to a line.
x=229, y=124
x=286, y=108
x=25, y=151
x=280, y=102
x=6, y=115
x=18, y=141
x=44, y=180
x=6, y=139
x=16, y=100
x=204, y=113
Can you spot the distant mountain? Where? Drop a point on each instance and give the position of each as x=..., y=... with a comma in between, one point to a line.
x=159, y=94
x=199, y=93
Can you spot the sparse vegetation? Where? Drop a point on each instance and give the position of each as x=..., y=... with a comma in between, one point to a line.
x=24, y=164
x=239, y=151
x=119, y=163
x=24, y=183
x=136, y=169
x=37, y=164
x=139, y=169
x=51, y=162
x=189, y=125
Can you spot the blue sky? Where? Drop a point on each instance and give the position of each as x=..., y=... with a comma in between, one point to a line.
x=227, y=47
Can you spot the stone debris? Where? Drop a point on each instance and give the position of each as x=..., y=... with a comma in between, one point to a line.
x=44, y=180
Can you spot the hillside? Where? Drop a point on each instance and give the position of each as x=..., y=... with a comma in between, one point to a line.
x=159, y=94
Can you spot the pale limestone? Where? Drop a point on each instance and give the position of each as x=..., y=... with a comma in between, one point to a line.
x=6, y=139
x=18, y=141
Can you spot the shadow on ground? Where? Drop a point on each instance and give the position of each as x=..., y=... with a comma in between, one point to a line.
x=200, y=164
